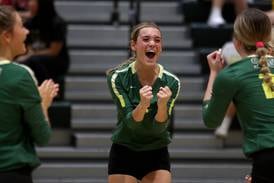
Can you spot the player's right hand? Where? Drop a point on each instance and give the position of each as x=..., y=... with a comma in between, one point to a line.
x=145, y=96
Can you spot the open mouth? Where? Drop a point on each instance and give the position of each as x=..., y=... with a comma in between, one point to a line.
x=150, y=54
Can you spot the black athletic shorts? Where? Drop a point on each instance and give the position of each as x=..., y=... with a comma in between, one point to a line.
x=123, y=160
x=20, y=175
x=263, y=166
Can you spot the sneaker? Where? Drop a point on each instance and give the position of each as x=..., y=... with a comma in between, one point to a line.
x=214, y=21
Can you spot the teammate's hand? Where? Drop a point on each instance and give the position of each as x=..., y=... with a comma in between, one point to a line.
x=215, y=61
x=48, y=90
x=248, y=179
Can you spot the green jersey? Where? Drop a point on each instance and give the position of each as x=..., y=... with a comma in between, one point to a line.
x=242, y=83
x=22, y=122
x=147, y=134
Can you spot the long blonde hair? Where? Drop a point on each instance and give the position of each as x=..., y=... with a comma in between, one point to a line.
x=253, y=29
x=7, y=18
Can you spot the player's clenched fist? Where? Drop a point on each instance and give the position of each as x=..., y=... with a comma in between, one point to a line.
x=163, y=95
x=145, y=96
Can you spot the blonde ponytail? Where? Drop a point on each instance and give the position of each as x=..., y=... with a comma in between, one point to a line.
x=261, y=51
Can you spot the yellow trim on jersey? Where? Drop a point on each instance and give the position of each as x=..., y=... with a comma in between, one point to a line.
x=178, y=90
x=179, y=83
x=161, y=72
x=132, y=65
x=116, y=92
x=171, y=106
x=29, y=71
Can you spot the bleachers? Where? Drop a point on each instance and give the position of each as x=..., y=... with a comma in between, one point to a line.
x=103, y=117
x=99, y=12
x=60, y=119
x=111, y=37
x=78, y=152
x=178, y=62
x=94, y=88
x=228, y=11
x=206, y=38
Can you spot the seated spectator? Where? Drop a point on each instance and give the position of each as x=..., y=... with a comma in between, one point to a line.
x=215, y=17
x=6, y=2
x=19, y=5
x=22, y=7
x=47, y=52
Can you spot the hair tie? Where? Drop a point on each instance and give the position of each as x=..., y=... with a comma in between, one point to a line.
x=259, y=44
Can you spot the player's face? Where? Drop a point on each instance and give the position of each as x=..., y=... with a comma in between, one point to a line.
x=18, y=37
x=148, y=46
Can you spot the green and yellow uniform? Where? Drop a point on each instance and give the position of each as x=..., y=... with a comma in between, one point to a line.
x=22, y=122
x=148, y=134
x=242, y=83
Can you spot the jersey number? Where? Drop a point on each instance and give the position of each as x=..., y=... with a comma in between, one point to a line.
x=267, y=90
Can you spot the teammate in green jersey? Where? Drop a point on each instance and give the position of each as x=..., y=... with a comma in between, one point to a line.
x=144, y=93
x=23, y=106
x=249, y=84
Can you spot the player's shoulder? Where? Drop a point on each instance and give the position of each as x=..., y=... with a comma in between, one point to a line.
x=25, y=71
x=168, y=75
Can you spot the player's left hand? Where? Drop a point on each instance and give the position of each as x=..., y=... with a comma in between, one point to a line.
x=163, y=95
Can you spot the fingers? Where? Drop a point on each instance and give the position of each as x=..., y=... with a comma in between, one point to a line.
x=42, y=86
x=215, y=60
x=54, y=90
x=248, y=179
x=219, y=55
x=215, y=56
x=164, y=95
x=145, y=96
x=164, y=92
x=48, y=90
x=146, y=91
x=46, y=84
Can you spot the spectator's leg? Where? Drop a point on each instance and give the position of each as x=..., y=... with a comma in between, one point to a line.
x=215, y=17
x=240, y=6
x=115, y=14
x=222, y=130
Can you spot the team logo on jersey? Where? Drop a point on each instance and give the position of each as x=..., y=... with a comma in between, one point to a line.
x=255, y=62
x=270, y=62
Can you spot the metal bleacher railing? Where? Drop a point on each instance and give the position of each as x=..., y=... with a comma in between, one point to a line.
x=134, y=15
